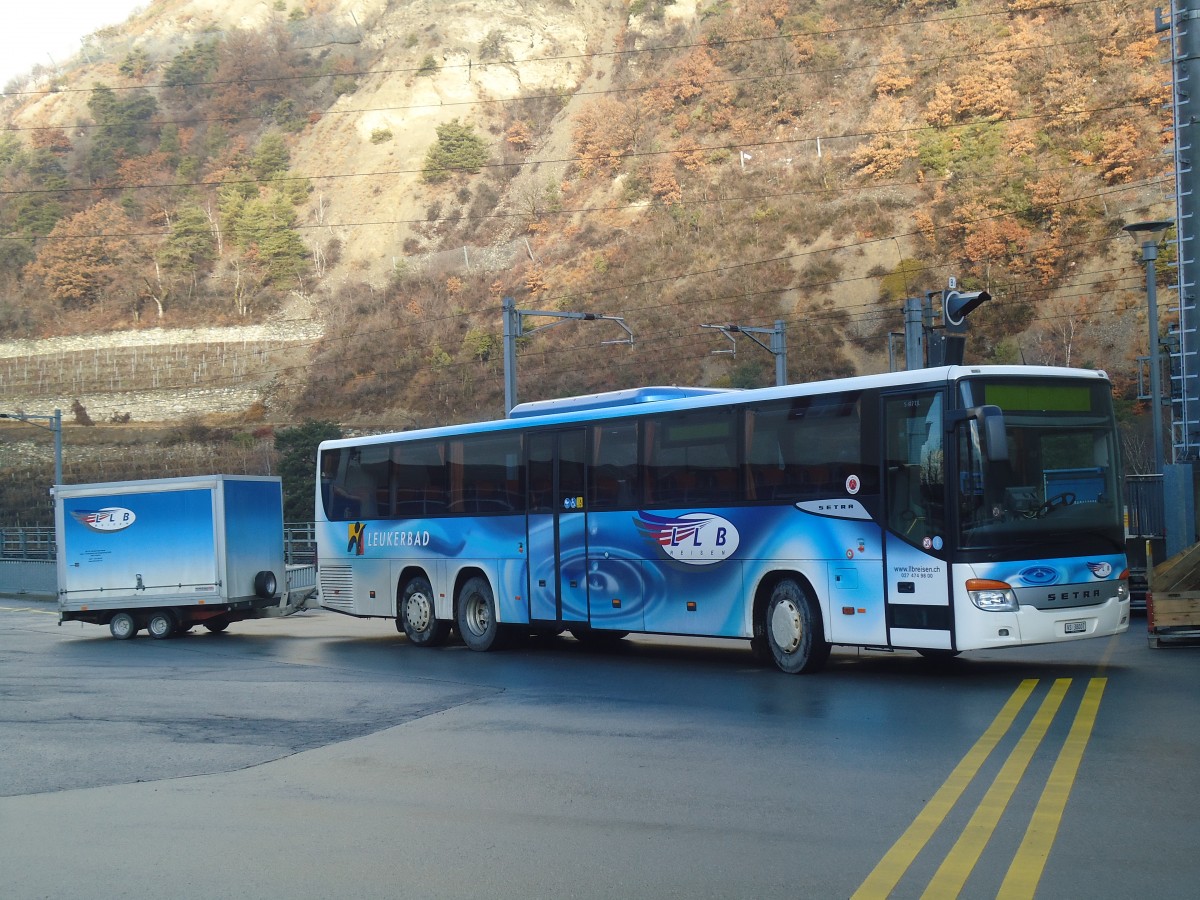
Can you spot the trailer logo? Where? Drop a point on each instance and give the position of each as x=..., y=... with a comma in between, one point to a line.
x=695, y=539
x=111, y=518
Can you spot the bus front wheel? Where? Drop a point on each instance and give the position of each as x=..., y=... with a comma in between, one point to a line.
x=792, y=628
x=417, y=618
x=476, y=616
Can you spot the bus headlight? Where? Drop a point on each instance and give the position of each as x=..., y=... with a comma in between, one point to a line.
x=992, y=596
x=1123, y=586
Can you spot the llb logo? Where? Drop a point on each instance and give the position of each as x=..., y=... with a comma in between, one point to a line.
x=111, y=518
x=695, y=539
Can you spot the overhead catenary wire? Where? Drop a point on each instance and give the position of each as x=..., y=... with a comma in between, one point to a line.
x=630, y=155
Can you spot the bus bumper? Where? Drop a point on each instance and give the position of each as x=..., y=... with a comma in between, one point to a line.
x=1030, y=625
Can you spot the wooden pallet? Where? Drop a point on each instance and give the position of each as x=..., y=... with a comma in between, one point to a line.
x=1173, y=599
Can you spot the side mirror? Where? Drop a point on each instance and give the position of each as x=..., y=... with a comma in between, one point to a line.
x=991, y=429
x=992, y=432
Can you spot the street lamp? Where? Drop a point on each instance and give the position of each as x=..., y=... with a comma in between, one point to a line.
x=1150, y=233
x=54, y=426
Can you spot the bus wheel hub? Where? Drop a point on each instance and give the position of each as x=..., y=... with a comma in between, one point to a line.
x=786, y=627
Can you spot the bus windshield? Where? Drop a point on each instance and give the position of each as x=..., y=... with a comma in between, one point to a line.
x=1058, y=490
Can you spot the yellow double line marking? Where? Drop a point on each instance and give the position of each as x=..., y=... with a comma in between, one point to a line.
x=1026, y=868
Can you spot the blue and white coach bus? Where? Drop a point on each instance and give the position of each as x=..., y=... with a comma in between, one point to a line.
x=937, y=510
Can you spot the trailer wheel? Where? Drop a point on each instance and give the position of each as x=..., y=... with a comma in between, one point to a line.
x=792, y=624
x=122, y=626
x=417, y=617
x=476, y=616
x=161, y=625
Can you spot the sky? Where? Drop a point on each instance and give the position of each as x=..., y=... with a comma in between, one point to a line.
x=35, y=28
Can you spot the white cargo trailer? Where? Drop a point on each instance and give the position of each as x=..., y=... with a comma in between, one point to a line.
x=169, y=553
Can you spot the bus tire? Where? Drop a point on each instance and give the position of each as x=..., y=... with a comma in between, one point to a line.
x=792, y=625
x=416, y=616
x=475, y=616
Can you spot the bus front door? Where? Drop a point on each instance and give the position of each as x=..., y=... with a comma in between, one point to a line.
x=919, y=613
x=557, y=538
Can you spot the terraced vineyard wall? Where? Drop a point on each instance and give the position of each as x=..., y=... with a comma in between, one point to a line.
x=163, y=403
x=156, y=375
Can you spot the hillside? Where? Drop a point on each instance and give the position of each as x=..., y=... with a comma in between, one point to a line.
x=369, y=179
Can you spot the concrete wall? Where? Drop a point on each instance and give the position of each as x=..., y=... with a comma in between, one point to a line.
x=28, y=576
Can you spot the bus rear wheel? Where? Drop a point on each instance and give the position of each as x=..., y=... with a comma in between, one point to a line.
x=792, y=628
x=475, y=615
x=417, y=618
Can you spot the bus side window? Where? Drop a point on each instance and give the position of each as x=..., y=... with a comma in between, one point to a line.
x=691, y=458
x=482, y=468
x=808, y=448
x=539, y=471
x=360, y=486
x=613, y=473
x=339, y=505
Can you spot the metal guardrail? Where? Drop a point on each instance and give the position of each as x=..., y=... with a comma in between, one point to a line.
x=27, y=543
x=299, y=543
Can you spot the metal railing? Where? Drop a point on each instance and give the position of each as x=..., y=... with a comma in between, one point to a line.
x=299, y=543
x=27, y=543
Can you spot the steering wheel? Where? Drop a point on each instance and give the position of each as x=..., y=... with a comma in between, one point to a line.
x=1066, y=498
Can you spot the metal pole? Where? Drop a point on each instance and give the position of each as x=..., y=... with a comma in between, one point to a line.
x=779, y=349
x=914, y=334
x=56, y=427
x=512, y=330
x=1149, y=255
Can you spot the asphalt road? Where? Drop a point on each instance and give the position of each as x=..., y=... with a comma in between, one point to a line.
x=322, y=756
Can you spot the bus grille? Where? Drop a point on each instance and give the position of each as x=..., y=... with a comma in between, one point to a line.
x=337, y=587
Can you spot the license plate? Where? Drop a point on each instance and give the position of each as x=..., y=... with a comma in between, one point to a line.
x=1074, y=627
